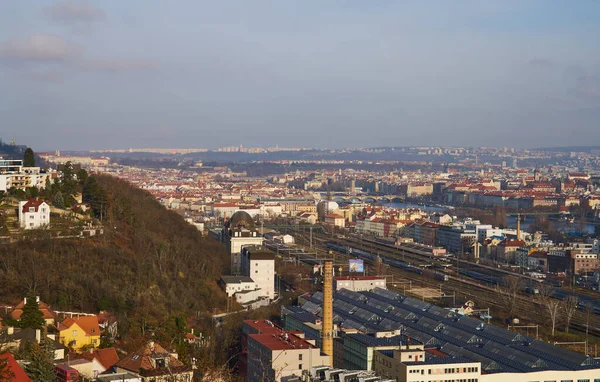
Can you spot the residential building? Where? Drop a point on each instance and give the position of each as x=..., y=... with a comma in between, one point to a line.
x=34, y=214
x=279, y=355
x=14, y=175
x=103, y=359
x=583, y=262
x=335, y=220
x=80, y=333
x=118, y=377
x=18, y=374
x=259, y=265
x=48, y=314
x=153, y=363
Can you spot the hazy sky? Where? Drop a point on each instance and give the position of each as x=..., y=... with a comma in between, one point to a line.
x=316, y=73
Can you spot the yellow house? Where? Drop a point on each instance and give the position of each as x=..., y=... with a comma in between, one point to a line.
x=80, y=332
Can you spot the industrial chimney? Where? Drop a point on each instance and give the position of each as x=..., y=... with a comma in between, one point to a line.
x=519, y=227
x=327, y=329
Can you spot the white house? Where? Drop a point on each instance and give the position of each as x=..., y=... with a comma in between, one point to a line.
x=34, y=214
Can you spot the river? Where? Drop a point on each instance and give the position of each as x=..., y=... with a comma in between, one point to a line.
x=559, y=225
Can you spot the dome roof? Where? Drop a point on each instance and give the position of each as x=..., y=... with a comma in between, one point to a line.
x=241, y=219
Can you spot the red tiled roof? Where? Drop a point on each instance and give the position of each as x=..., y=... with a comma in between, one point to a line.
x=35, y=203
x=106, y=357
x=43, y=307
x=16, y=369
x=140, y=360
x=89, y=324
x=284, y=341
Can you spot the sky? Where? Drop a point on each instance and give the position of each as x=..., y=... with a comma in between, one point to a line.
x=78, y=75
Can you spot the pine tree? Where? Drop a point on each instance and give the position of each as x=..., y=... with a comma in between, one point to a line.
x=59, y=200
x=28, y=158
x=41, y=359
x=32, y=316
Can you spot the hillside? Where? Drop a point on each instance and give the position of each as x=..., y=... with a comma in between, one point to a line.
x=149, y=268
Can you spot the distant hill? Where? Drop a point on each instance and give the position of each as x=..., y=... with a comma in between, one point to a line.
x=8, y=151
x=148, y=266
x=585, y=149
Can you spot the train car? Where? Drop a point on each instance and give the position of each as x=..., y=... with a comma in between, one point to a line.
x=435, y=275
x=336, y=247
x=554, y=283
x=480, y=276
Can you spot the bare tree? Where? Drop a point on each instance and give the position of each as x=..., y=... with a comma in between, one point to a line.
x=551, y=304
x=569, y=308
x=509, y=293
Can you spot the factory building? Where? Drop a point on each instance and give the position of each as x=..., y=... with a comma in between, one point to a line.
x=370, y=327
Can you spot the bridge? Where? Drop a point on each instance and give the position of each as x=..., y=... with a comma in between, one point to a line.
x=368, y=199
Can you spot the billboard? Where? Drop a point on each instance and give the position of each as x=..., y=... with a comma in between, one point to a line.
x=356, y=265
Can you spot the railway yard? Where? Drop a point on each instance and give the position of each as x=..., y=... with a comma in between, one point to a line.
x=412, y=269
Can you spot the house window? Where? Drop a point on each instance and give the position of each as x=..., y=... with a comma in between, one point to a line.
x=95, y=342
x=299, y=357
x=31, y=209
x=74, y=333
x=300, y=366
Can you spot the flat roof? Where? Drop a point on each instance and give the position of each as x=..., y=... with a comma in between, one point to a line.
x=263, y=326
x=358, y=278
x=236, y=279
x=282, y=341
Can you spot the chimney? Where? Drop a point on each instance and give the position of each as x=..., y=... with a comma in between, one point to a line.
x=407, y=343
x=518, y=226
x=25, y=301
x=327, y=328
x=151, y=346
x=38, y=336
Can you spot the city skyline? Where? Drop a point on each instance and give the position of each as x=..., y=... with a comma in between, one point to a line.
x=94, y=75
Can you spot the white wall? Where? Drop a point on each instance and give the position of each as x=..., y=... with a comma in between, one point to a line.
x=263, y=274
x=33, y=220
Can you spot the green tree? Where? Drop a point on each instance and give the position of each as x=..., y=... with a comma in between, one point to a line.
x=95, y=196
x=28, y=158
x=59, y=200
x=32, y=316
x=41, y=359
x=82, y=175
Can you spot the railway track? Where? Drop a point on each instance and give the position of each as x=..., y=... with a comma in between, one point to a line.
x=485, y=295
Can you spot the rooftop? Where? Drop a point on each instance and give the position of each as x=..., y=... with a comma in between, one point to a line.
x=236, y=279
x=498, y=349
x=283, y=341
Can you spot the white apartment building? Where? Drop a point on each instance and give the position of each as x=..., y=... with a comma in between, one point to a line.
x=259, y=265
x=34, y=214
x=14, y=175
